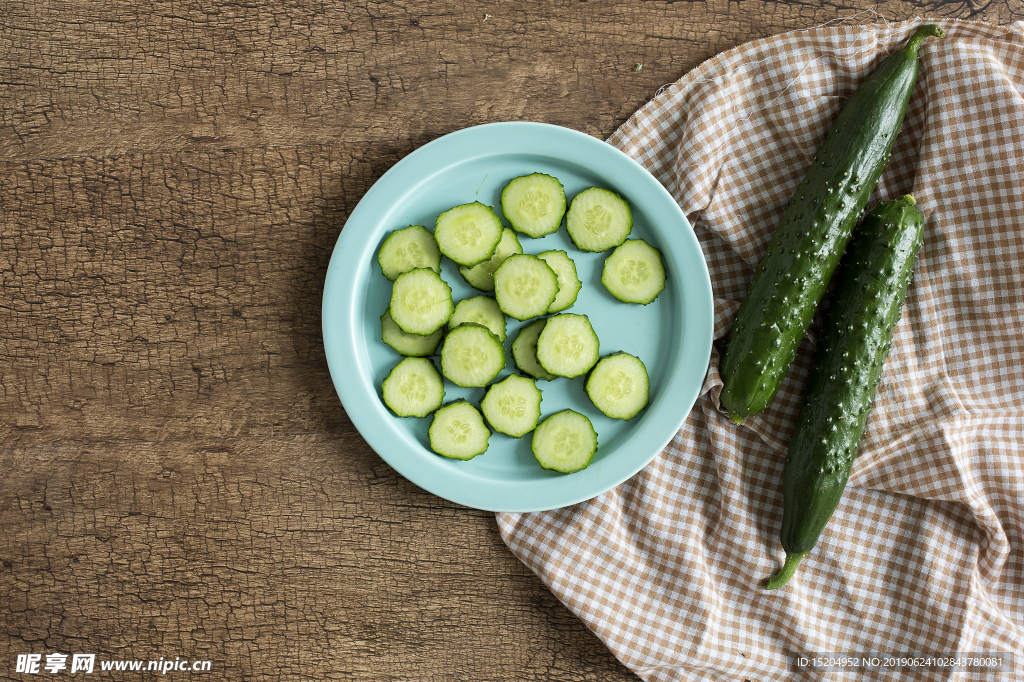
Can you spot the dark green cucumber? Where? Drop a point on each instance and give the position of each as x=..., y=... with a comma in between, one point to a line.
x=805, y=249
x=871, y=286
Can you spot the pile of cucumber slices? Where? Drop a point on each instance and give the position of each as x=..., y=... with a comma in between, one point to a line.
x=468, y=337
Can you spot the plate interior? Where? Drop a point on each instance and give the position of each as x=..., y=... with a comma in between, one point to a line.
x=649, y=332
x=662, y=334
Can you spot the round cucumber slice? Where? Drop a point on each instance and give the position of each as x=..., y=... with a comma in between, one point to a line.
x=482, y=310
x=524, y=351
x=413, y=388
x=458, y=431
x=412, y=345
x=512, y=406
x=421, y=302
x=407, y=249
x=525, y=286
x=468, y=234
x=481, y=275
x=471, y=356
x=568, y=345
x=569, y=284
x=534, y=204
x=634, y=273
x=565, y=442
x=619, y=386
x=598, y=220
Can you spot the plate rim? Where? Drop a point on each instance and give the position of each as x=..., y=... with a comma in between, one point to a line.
x=341, y=347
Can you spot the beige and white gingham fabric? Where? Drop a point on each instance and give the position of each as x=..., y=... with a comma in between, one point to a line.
x=925, y=555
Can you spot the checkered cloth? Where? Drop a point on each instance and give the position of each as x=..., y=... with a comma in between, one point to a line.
x=925, y=554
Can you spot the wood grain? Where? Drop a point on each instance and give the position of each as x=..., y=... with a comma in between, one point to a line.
x=106, y=77
x=180, y=478
x=287, y=557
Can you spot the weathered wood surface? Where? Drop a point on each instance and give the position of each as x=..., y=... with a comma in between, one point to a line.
x=179, y=478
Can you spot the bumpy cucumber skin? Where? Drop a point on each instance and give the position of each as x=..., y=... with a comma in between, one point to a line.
x=809, y=242
x=871, y=287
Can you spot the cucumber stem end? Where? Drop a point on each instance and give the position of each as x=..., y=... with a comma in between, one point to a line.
x=926, y=31
x=786, y=572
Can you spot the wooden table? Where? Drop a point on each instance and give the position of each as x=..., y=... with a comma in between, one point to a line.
x=179, y=478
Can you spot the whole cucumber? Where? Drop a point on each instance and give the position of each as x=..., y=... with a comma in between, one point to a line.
x=871, y=286
x=805, y=249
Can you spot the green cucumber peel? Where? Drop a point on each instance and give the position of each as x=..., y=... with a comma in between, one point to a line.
x=866, y=305
x=812, y=236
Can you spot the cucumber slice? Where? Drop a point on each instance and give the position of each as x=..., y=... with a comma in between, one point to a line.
x=569, y=284
x=413, y=388
x=565, y=442
x=407, y=249
x=534, y=204
x=471, y=355
x=598, y=220
x=413, y=345
x=525, y=286
x=482, y=310
x=421, y=302
x=458, y=431
x=524, y=351
x=634, y=273
x=512, y=406
x=618, y=386
x=468, y=234
x=481, y=275
x=568, y=346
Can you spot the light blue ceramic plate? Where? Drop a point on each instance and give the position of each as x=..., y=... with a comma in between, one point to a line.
x=672, y=335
